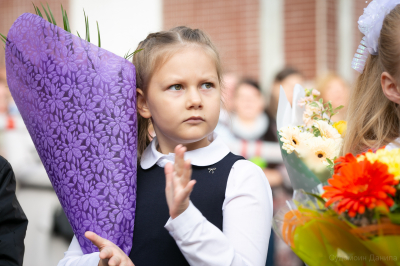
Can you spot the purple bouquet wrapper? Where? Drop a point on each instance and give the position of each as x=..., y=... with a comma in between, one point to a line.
x=78, y=102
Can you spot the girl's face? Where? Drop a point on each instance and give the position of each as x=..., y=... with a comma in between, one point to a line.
x=183, y=99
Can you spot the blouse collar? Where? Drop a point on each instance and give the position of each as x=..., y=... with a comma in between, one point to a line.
x=208, y=155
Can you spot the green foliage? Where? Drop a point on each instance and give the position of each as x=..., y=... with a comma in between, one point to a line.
x=128, y=55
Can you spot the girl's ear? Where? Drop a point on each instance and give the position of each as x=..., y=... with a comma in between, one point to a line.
x=390, y=87
x=141, y=102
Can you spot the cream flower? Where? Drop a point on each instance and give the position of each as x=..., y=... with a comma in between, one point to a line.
x=317, y=150
x=311, y=111
x=303, y=101
x=327, y=131
x=315, y=92
x=292, y=138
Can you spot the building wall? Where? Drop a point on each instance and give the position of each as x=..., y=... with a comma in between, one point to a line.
x=233, y=25
x=10, y=10
x=300, y=35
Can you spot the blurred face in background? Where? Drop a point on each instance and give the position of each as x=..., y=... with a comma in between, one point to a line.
x=249, y=102
x=288, y=85
x=337, y=92
x=230, y=82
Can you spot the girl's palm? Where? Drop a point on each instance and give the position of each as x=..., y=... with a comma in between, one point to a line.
x=178, y=183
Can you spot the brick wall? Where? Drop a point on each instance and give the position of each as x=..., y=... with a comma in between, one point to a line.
x=300, y=35
x=233, y=26
x=10, y=10
x=332, y=45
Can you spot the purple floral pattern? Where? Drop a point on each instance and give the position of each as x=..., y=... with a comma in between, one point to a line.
x=78, y=103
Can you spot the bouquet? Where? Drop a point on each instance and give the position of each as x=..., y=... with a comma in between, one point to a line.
x=78, y=103
x=309, y=140
x=354, y=219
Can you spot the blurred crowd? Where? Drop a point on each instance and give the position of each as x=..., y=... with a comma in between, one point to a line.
x=247, y=124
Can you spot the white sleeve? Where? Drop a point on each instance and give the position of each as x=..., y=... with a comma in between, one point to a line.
x=247, y=218
x=74, y=256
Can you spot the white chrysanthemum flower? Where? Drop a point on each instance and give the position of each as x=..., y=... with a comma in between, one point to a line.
x=318, y=149
x=292, y=138
x=327, y=131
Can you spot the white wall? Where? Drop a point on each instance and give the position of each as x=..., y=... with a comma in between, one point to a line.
x=272, y=57
x=123, y=23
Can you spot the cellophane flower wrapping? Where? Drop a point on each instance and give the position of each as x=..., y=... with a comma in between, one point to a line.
x=78, y=103
x=308, y=138
x=355, y=221
x=318, y=236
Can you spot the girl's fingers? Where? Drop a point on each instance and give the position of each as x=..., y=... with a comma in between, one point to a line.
x=179, y=161
x=169, y=172
x=189, y=188
x=98, y=241
x=114, y=261
x=188, y=171
x=106, y=253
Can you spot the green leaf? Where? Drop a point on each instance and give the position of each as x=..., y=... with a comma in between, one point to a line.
x=38, y=11
x=321, y=100
x=98, y=33
x=51, y=14
x=47, y=15
x=318, y=197
x=3, y=38
x=314, y=104
x=34, y=7
x=78, y=34
x=87, y=27
x=339, y=107
x=66, y=18
x=316, y=132
x=137, y=51
x=127, y=57
x=329, y=161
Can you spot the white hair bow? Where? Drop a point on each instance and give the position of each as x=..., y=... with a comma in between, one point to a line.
x=370, y=24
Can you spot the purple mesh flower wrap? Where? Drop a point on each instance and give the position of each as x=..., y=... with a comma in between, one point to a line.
x=78, y=103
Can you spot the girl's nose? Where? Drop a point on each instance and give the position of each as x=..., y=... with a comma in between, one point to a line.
x=193, y=100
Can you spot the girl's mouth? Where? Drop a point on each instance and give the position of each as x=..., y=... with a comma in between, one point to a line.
x=194, y=120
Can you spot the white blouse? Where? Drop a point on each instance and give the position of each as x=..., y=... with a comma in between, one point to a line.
x=247, y=215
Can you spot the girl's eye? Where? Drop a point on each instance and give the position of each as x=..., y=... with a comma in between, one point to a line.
x=176, y=87
x=207, y=86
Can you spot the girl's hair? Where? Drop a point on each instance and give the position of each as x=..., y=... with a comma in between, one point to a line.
x=158, y=48
x=374, y=120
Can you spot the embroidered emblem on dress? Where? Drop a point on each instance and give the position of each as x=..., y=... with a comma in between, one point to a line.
x=211, y=169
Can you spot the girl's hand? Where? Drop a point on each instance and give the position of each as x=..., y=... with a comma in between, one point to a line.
x=110, y=254
x=178, y=184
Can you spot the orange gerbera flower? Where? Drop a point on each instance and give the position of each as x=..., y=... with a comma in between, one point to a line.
x=359, y=185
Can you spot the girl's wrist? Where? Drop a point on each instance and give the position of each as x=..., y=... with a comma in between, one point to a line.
x=181, y=210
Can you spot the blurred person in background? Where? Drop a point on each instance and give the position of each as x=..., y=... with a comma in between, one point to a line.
x=224, y=125
x=287, y=78
x=35, y=192
x=13, y=221
x=335, y=89
x=252, y=124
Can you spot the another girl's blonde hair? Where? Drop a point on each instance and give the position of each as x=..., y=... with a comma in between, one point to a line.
x=157, y=49
x=374, y=120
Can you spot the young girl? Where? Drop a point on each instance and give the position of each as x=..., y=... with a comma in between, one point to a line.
x=220, y=217
x=373, y=112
